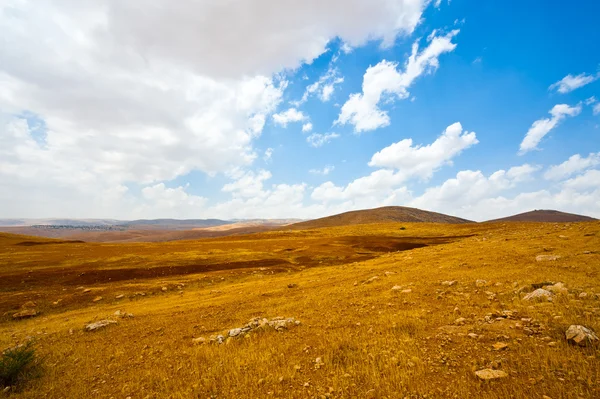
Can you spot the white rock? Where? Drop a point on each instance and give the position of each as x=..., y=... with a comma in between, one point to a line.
x=543, y=258
x=539, y=295
x=234, y=332
x=99, y=324
x=490, y=374
x=480, y=283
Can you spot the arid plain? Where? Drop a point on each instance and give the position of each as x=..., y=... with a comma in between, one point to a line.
x=391, y=310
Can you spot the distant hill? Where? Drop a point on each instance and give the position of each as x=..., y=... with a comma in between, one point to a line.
x=545, y=215
x=379, y=215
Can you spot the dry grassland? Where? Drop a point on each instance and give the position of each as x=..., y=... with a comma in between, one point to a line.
x=371, y=341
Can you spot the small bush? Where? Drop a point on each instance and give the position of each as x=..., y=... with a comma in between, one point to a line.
x=402, y=228
x=18, y=364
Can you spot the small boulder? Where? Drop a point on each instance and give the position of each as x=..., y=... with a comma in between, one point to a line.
x=480, y=283
x=498, y=346
x=581, y=335
x=199, y=341
x=490, y=374
x=25, y=313
x=396, y=288
x=370, y=280
x=539, y=295
x=97, y=299
x=460, y=321
x=558, y=288
x=234, y=332
x=99, y=324
x=449, y=283
x=544, y=258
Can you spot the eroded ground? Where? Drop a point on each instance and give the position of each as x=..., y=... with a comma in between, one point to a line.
x=358, y=337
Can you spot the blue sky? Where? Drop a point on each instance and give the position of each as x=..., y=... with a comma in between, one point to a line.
x=476, y=109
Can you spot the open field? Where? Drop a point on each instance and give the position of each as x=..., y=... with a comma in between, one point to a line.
x=358, y=338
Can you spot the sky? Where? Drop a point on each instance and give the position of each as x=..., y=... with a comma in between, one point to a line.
x=287, y=109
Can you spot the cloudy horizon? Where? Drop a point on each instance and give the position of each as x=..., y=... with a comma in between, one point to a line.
x=283, y=109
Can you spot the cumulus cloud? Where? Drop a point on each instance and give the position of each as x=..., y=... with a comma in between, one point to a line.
x=290, y=115
x=323, y=88
x=574, y=164
x=596, y=109
x=570, y=82
x=318, y=140
x=362, y=109
x=423, y=161
x=542, y=127
x=137, y=92
x=325, y=171
x=399, y=163
x=307, y=127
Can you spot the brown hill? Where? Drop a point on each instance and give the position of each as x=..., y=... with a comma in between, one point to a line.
x=545, y=215
x=386, y=214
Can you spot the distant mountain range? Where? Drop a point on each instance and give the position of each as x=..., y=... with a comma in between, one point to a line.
x=112, y=230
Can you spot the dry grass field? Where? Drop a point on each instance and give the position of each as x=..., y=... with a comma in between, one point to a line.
x=357, y=337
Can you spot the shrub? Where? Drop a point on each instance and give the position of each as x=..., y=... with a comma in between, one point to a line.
x=18, y=364
x=402, y=228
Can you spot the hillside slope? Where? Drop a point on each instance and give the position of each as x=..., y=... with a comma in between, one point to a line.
x=545, y=215
x=379, y=215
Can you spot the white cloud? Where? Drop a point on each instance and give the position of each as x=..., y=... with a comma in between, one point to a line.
x=571, y=166
x=325, y=171
x=362, y=109
x=248, y=185
x=307, y=127
x=323, y=88
x=138, y=93
x=542, y=127
x=596, y=109
x=268, y=154
x=589, y=101
x=317, y=139
x=570, y=82
x=172, y=202
x=423, y=161
x=291, y=115
x=437, y=3
x=589, y=179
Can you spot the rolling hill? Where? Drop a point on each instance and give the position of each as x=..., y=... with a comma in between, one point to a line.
x=387, y=214
x=544, y=215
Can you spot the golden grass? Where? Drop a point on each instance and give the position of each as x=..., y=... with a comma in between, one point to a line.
x=374, y=342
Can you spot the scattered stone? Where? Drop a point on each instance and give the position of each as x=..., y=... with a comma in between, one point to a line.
x=406, y=291
x=489, y=374
x=480, y=283
x=449, y=283
x=199, y=341
x=85, y=291
x=219, y=339
x=552, y=344
x=164, y=289
x=583, y=295
x=97, y=299
x=123, y=315
x=387, y=274
x=558, y=288
x=369, y=281
x=28, y=305
x=25, y=313
x=539, y=295
x=472, y=335
x=234, y=332
x=99, y=324
x=396, y=288
x=587, y=252
x=460, y=321
x=120, y=296
x=581, y=335
x=543, y=258
x=498, y=346
x=292, y=285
